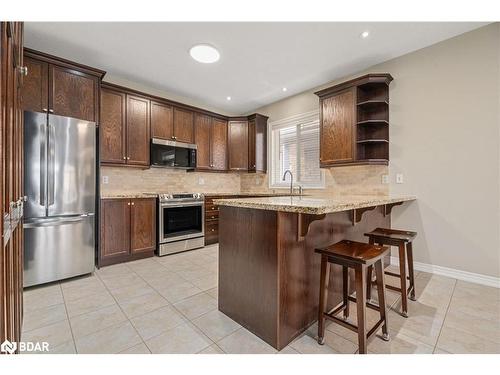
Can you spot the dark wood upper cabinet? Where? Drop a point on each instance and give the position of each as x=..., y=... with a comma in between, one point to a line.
x=142, y=225
x=238, y=145
x=218, y=144
x=202, y=130
x=127, y=230
x=61, y=87
x=162, y=121
x=113, y=127
x=138, y=134
x=36, y=86
x=257, y=143
x=354, y=121
x=183, y=125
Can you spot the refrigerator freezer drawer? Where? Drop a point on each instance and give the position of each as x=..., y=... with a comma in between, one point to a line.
x=58, y=248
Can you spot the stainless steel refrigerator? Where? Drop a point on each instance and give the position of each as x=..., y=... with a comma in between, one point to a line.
x=60, y=185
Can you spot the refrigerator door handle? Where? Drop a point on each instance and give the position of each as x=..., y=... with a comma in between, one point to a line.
x=50, y=222
x=43, y=167
x=51, y=165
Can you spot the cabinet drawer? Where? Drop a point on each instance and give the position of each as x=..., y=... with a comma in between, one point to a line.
x=212, y=215
x=212, y=228
x=209, y=208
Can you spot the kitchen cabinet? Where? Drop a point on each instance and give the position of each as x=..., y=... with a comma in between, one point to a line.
x=61, y=87
x=211, y=141
x=127, y=229
x=183, y=125
x=238, y=145
x=162, y=121
x=125, y=128
x=354, y=122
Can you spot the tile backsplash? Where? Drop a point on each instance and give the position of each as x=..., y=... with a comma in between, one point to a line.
x=355, y=180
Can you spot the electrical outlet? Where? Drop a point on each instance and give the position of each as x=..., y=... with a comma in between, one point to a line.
x=257, y=181
x=399, y=178
x=105, y=179
x=385, y=178
x=201, y=181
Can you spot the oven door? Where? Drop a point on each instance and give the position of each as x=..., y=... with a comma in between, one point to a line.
x=172, y=154
x=181, y=221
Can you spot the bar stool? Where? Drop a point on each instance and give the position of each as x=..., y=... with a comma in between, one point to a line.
x=403, y=240
x=359, y=256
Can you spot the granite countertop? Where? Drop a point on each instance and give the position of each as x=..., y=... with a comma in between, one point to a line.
x=117, y=195
x=314, y=205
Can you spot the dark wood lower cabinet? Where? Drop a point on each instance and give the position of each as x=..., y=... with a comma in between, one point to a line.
x=128, y=230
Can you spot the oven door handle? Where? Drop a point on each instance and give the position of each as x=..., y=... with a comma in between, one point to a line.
x=167, y=205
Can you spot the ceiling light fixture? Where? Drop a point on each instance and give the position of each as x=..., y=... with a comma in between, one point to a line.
x=365, y=34
x=204, y=53
x=228, y=98
x=284, y=89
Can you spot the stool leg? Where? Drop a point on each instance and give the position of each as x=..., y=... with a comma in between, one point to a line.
x=345, y=290
x=402, y=278
x=379, y=274
x=409, y=251
x=360, y=281
x=369, y=273
x=323, y=292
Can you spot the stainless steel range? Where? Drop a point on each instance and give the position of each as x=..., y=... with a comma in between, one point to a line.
x=181, y=222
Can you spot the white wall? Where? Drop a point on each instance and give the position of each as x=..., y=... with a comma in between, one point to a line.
x=444, y=138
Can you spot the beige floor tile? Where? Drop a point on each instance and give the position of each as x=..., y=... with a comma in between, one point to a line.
x=197, y=305
x=182, y=339
x=95, y=321
x=398, y=344
x=465, y=289
x=110, y=340
x=121, y=281
x=288, y=350
x=87, y=280
x=476, y=306
x=143, y=304
x=216, y=325
x=44, y=316
x=131, y=291
x=244, y=342
x=306, y=344
x=202, y=259
x=206, y=282
x=489, y=329
x=454, y=340
x=42, y=297
x=114, y=270
x=178, y=292
x=138, y=349
x=43, y=289
x=55, y=334
x=66, y=348
x=165, y=280
x=212, y=349
x=214, y=292
x=86, y=304
x=440, y=351
x=87, y=290
x=157, y=321
x=194, y=273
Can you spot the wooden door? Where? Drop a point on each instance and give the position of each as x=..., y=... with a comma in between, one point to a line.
x=260, y=142
x=251, y=145
x=36, y=86
x=162, y=121
x=238, y=145
x=72, y=93
x=183, y=125
x=115, y=229
x=202, y=129
x=219, y=145
x=337, y=127
x=138, y=133
x=113, y=130
x=142, y=225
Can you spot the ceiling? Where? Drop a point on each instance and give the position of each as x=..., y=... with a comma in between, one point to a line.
x=257, y=59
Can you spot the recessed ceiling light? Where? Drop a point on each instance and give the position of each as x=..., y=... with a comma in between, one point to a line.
x=204, y=53
x=228, y=98
x=284, y=89
x=365, y=34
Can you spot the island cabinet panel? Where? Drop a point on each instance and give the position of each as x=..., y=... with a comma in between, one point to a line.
x=113, y=127
x=138, y=134
x=269, y=272
x=36, y=86
x=354, y=121
x=238, y=145
x=162, y=121
x=183, y=125
x=202, y=130
x=218, y=145
x=127, y=230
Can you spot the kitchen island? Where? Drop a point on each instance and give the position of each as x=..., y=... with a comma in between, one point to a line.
x=268, y=270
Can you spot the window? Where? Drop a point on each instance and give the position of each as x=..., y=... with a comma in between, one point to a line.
x=295, y=147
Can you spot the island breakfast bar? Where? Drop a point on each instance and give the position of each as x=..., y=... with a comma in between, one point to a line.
x=268, y=271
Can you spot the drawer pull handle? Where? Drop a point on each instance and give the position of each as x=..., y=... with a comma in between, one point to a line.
x=213, y=230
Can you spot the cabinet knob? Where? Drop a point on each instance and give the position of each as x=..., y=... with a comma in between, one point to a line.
x=44, y=109
x=128, y=204
x=124, y=158
x=213, y=230
x=133, y=203
x=23, y=70
x=128, y=157
x=51, y=110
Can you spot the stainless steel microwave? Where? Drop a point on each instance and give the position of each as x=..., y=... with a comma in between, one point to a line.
x=171, y=154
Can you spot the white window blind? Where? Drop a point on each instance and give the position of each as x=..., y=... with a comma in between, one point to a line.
x=295, y=146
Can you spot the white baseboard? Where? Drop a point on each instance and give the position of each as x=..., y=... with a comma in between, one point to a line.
x=451, y=272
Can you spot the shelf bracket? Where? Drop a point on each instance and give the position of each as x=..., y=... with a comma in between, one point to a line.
x=388, y=207
x=357, y=214
x=303, y=223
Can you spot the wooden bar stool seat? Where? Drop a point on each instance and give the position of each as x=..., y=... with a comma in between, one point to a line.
x=359, y=256
x=402, y=239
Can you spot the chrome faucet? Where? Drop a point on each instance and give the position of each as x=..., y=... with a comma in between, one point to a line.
x=291, y=179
